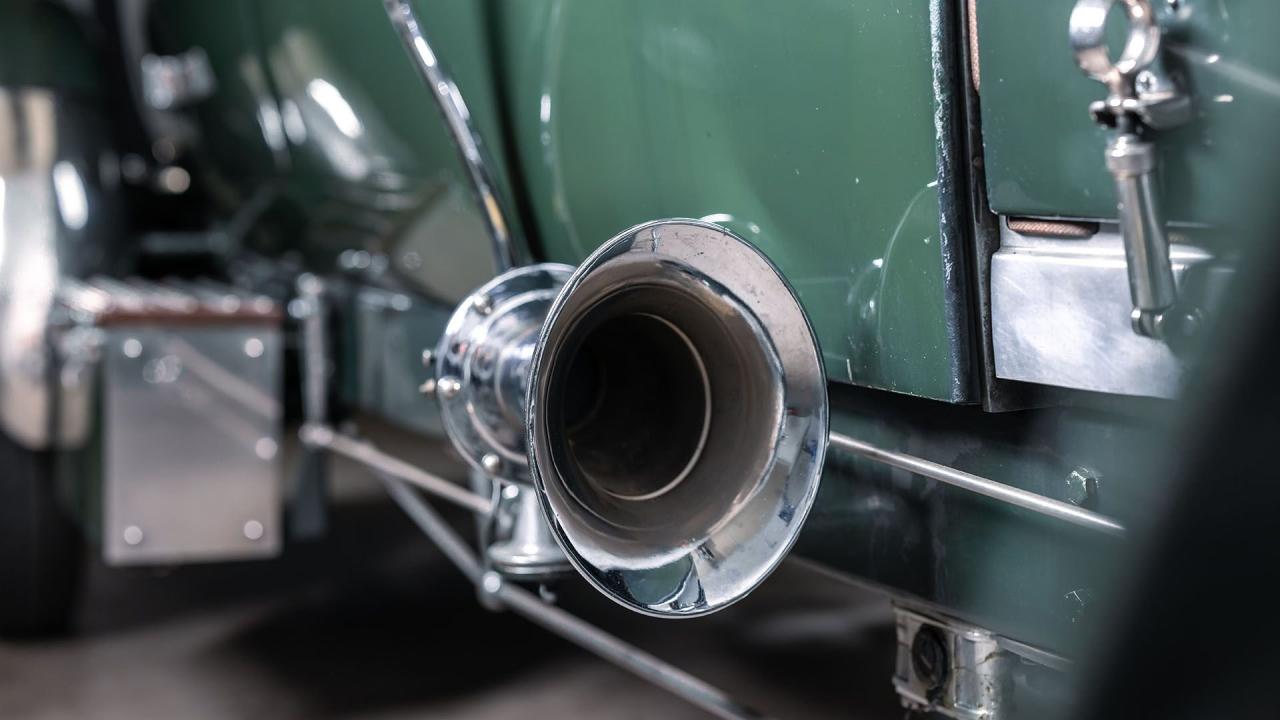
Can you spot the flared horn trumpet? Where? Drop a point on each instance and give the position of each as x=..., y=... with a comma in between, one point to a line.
x=676, y=418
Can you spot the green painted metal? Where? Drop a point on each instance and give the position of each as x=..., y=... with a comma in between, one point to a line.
x=808, y=128
x=1001, y=567
x=41, y=45
x=319, y=106
x=1043, y=151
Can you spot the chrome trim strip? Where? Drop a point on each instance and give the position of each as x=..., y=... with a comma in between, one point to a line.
x=980, y=485
x=466, y=135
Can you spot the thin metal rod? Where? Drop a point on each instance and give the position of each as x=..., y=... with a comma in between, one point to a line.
x=434, y=527
x=368, y=455
x=466, y=137
x=561, y=622
x=980, y=485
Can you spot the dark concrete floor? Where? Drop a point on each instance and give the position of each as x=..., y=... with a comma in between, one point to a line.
x=371, y=622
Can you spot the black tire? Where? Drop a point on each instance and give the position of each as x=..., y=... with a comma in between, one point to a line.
x=41, y=549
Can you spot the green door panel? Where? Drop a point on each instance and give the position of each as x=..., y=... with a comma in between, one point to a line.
x=42, y=45
x=1044, y=153
x=810, y=128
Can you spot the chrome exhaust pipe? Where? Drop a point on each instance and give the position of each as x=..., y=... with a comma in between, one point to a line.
x=677, y=418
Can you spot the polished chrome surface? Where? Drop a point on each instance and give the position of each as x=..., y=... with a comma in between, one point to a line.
x=1138, y=93
x=507, y=252
x=952, y=668
x=481, y=367
x=1088, y=39
x=1132, y=163
x=560, y=622
x=677, y=417
x=520, y=543
x=191, y=442
x=1060, y=314
x=365, y=453
x=59, y=217
x=980, y=485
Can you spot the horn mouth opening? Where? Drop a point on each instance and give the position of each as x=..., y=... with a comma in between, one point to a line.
x=661, y=409
x=677, y=418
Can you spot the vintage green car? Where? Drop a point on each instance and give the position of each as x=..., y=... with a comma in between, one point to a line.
x=963, y=300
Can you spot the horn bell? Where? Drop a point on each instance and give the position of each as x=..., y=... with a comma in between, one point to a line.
x=677, y=418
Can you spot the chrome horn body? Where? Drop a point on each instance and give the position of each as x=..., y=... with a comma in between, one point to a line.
x=673, y=408
x=677, y=417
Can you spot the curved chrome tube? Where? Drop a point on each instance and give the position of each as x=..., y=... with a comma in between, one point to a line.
x=466, y=136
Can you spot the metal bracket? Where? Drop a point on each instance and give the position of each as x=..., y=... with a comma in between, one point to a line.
x=1139, y=97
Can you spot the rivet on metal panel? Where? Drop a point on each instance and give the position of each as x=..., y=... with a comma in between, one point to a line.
x=132, y=347
x=253, y=347
x=133, y=535
x=253, y=530
x=265, y=448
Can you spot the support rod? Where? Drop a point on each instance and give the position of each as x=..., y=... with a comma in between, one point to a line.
x=466, y=137
x=368, y=455
x=559, y=621
x=980, y=485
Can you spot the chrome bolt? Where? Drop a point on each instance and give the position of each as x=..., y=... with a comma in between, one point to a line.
x=1145, y=82
x=1082, y=486
x=491, y=463
x=491, y=583
x=428, y=357
x=482, y=303
x=254, y=530
x=428, y=387
x=132, y=347
x=448, y=387
x=133, y=535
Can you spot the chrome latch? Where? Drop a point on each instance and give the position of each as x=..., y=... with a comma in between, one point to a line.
x=1141, y=98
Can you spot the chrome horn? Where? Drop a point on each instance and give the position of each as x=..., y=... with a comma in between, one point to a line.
x=677, y=418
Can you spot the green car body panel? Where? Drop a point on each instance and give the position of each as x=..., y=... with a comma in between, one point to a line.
x=42, y=46
x=622, y=112
x=1044, y=153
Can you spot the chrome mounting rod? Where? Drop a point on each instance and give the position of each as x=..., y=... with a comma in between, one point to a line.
x=401, y=477
x=316, y=435
x=980, y=485
x=466, y=137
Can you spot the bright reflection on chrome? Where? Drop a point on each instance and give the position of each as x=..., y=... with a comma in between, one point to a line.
x=73, y=204
x=677, y=418
x=336, y=107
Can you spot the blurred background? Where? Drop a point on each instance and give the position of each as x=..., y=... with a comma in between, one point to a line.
x=372, y=622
